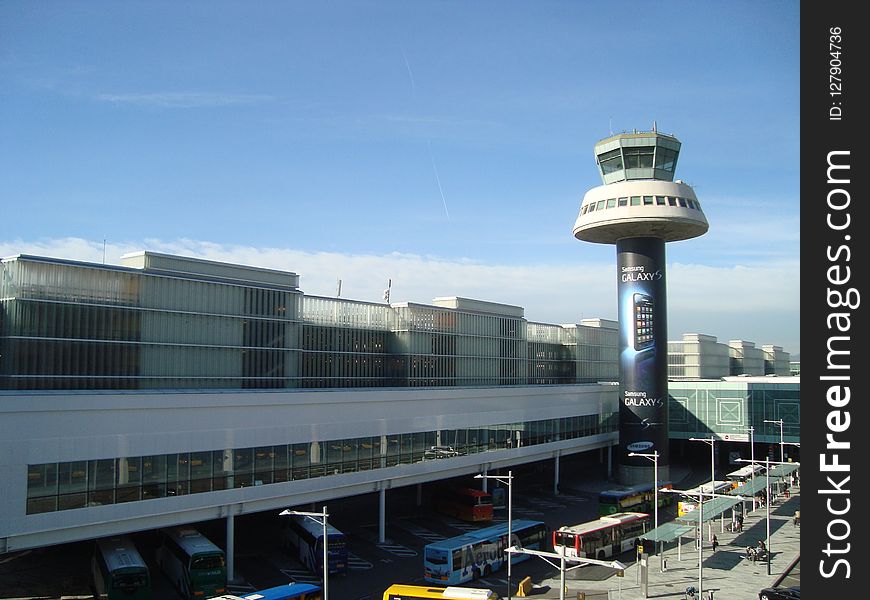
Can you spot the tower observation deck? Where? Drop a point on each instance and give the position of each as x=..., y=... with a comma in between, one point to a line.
x=639, y=208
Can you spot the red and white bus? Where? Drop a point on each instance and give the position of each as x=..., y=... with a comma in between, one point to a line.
x=602, y=538
x=467, y=504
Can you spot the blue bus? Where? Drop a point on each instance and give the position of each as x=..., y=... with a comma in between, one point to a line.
x=290, y=591
x=480, y=553
x=303, y=537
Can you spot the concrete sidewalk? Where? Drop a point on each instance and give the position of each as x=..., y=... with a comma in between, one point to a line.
x=726, y=572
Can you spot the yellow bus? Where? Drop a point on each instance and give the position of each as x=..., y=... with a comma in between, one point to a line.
x=399, y=591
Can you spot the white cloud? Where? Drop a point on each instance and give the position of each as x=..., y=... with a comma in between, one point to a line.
x=759, y=303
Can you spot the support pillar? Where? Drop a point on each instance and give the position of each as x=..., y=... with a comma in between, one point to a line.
x=556, y=476
x=609, y=462
x=484, y=481
x=382, y=515
x=230, y=551
x=419, y=494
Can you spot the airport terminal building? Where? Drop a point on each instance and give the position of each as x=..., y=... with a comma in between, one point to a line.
x=173, y=390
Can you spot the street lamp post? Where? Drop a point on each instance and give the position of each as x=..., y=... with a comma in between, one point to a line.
x=320, y=518
x=508, y=481
x=712, y=442
x=767, y=506
x=781, y=439
x=751, y=431
x=655, y=458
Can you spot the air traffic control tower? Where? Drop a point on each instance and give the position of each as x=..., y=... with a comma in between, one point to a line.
x=639, y=208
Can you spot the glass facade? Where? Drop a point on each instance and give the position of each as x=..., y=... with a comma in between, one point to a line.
x=702, y=408
x=78, y=326
x=648, y=155
x=78, y=484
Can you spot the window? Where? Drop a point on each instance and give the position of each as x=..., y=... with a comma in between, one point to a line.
x=681, y=202
x=623, y=201
x=639, y=157
x=647, y=200
x=600, y=205
x=666, y=158
x=635, y=200
x=591, y=207
x=611, y=202
x=660, y=200
x=690, y=202
x=610, y=161
x=672, y=201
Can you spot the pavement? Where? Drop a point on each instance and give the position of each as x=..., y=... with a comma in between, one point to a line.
x=726, y=572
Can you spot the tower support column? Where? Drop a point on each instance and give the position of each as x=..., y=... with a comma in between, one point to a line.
x=643, y=355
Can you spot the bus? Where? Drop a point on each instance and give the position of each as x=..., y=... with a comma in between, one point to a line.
x=691, y=503
x=118, y=570
x=303, y=538
x=419, y=592
x=604, y=537
x=479, y=553
x=744, y=474
x=195, y=565
x=290, y=591
x=636, y=498
x=467, y=504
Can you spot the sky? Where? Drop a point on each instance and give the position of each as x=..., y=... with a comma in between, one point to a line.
x=440, y=147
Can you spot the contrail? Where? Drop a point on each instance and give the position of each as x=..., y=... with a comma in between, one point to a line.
x=410, y=74
x=428, y=143
x=437, y=179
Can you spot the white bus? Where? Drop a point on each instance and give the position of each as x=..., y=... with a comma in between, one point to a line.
x=744, y=474
x=602, y=538
x=720, y=488
x=303, y=537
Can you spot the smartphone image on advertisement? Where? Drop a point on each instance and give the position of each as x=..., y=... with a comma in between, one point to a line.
x=643, y=321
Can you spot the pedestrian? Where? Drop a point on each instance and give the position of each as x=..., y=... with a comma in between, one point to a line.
x=715, y=542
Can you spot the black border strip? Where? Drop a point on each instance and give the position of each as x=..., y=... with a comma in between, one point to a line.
x=833, y=256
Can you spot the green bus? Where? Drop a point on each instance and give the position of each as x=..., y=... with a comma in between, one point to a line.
x=195, y=565
x=118, y=571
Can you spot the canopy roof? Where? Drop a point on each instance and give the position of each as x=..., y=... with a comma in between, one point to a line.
x=668, y=532
x=712, y=509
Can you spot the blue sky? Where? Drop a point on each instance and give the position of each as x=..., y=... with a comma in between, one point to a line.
x=443, y=145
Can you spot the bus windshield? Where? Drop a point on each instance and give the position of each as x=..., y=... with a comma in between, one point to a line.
x=207, y=562
x=436, y=556
x=129, y=580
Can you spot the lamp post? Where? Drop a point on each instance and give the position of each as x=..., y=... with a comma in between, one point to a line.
x=712, y=442
x=767, y=506
x=751, y=431
x=317, y=517
x=655, y=458
x=508, y=481
x=781, y=439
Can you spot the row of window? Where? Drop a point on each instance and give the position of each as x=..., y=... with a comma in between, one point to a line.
x=78, y=484
x=82, y=364
x=638, y=157
x=641, y=201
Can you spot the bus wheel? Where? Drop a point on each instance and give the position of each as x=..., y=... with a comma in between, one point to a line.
x=487, y=571
x=601, y=555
